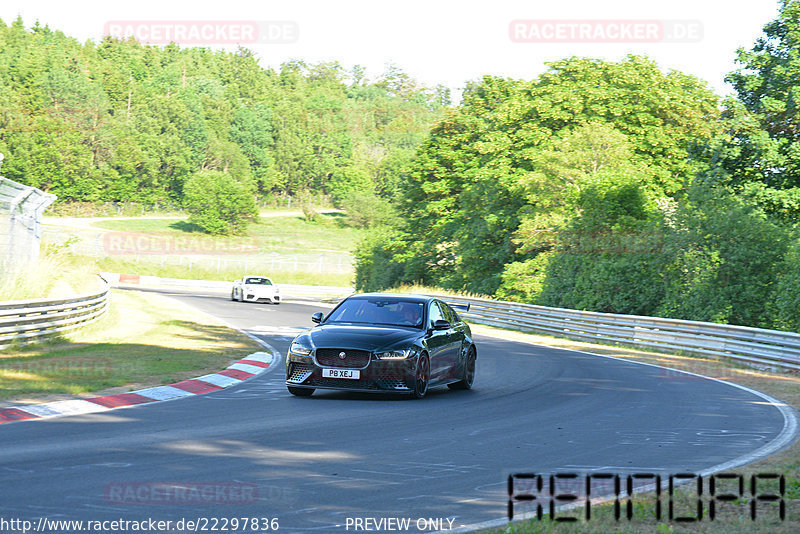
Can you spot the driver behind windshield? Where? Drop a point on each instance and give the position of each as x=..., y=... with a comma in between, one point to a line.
x=410, y=314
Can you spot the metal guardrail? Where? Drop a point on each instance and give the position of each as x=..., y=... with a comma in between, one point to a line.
x=752, y=345
x=24, y=321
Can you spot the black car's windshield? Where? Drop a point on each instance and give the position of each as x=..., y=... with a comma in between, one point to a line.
x=384, y=311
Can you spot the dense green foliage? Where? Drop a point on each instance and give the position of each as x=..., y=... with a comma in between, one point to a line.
x=759, y=156
x=501, y=172
x=118, y=121
x=614, y=187
x=217, y=203
x=713, y=258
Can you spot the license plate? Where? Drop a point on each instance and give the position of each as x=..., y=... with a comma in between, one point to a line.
x=341, y=373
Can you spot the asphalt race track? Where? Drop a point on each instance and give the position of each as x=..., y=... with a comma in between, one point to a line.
x=315, y=463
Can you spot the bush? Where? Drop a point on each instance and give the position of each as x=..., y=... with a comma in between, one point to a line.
x=786, y=298
x=365, y=210
x=523, y=280
x=305, y=200
x=609, y=273
x=348, y=180
x=726, y=256
x=610, y=256
x=218, y=203
x=376, y=266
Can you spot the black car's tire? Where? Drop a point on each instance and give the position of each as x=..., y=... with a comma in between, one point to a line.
x=421, y=377
x=469, y=372
x=300, y=392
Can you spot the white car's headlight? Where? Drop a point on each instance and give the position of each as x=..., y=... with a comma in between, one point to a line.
x=303, y=349
x=394, y=355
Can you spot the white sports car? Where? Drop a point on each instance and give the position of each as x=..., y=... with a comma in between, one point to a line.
x=255, y=289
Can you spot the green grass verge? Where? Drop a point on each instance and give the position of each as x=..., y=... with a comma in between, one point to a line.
x=144, y=340
x=289, y=249
x=273, y=235
x=732, y=517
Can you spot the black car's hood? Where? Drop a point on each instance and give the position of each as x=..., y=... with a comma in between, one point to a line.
x=367, y=337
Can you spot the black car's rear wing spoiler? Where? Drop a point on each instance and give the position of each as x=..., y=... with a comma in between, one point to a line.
x=464, y=307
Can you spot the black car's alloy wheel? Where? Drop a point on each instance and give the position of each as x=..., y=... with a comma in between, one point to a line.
x=421, y=377
x=300, y=392
x=469, y=372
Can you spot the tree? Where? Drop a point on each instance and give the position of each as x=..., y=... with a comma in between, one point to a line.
x=588, y=156
x=609, y=257
x=217, y=203
x=377, y=266
x=497, y=174
x=759, y=155
x=119, y=121
x=349, y=180
x=252, y=131
x=726, y=258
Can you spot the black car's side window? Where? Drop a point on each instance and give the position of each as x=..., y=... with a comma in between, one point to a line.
x=450, y=314
x=435, y=313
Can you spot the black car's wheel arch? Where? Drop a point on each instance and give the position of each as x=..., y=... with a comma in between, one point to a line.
x=416, y=392
x=467, y=369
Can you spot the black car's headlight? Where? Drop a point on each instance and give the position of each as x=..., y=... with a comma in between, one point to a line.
x=301, y=347
x=394, y=354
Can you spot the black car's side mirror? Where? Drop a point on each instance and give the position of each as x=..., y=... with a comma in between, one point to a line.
x=316, y=318
x=441, y=324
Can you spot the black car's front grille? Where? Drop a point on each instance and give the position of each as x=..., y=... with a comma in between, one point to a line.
x=343, y=384
x=355, y=359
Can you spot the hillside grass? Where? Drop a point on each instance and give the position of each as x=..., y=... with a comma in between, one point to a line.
x=270, y=235
x=288, y=248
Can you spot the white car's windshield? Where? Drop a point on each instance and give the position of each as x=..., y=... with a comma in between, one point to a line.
x=258, y=281
x=378, y=311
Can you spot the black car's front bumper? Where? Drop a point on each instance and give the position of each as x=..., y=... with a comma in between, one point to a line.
x=382, y=376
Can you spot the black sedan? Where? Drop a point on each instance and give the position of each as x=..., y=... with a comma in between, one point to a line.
x=383, y=343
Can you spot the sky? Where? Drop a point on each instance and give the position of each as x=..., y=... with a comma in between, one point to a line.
x=434, y=41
